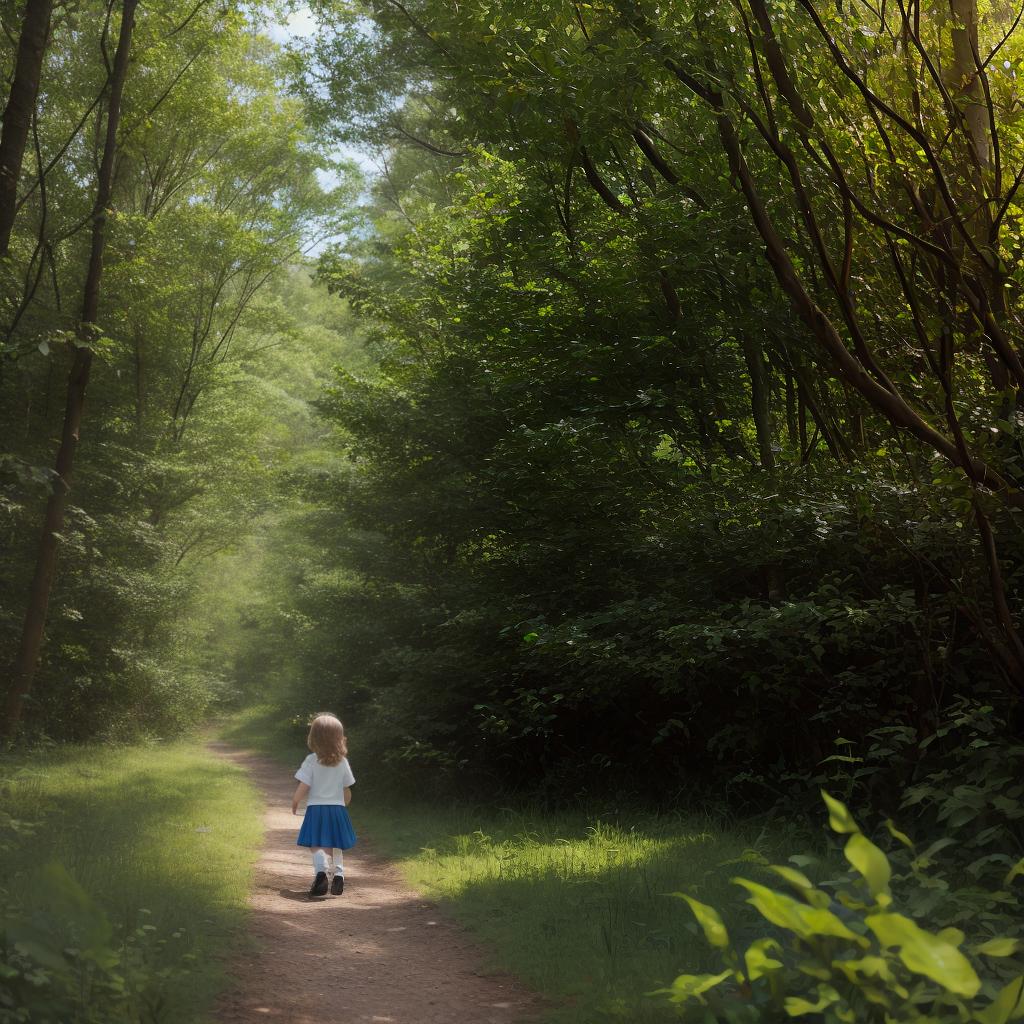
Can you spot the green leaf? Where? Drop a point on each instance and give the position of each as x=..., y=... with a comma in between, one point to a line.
x=899, y=836
x=931, y=955
x=799, y=918
x=839, y=816
x=1015, y=871
x=795, y=878
x=873, y=865
x=998, y=947
x=1007, y=1006
x=692, y=986
x=758, y=961
x=802, y=884
x=797, y=1007
x=708, y=918
x=870, y=967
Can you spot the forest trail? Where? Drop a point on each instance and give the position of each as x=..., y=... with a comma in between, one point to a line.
x=379, y=954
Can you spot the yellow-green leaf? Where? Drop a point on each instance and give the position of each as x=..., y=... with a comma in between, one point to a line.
x=693, y=986
x=714, y=928
x=872, y=864
x=799, y=918
x=802, y=884
x=1014, y=872
x=795, y=878
x=931, y=955
x=899, y=836
x=814, y=971
x=797, y=1007
x=1007, y=1006
x=758, y=959
x=998, y=947
x=839, y=816
x=870, y=967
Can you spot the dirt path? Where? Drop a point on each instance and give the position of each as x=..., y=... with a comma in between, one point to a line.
x=379, y=954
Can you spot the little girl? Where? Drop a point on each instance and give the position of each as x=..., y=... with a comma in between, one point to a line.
x=324, y=779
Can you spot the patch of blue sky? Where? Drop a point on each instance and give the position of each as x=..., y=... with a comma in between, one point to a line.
x=293, y=28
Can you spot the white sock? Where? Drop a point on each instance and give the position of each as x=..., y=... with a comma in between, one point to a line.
x=320, y=861
x=339, y=862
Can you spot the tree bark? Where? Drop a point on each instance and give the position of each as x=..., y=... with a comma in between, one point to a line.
x=17, y=119
x=967, y=79
x=78, y=380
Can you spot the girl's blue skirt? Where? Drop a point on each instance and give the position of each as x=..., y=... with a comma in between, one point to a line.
x=327, y=825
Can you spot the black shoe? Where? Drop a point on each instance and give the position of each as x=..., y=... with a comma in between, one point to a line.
x=337, y=885
x=319, y=886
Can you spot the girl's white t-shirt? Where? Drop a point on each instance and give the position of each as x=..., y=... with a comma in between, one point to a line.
x=326, y=782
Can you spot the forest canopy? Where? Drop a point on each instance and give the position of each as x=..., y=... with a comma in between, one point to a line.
x=649, y=413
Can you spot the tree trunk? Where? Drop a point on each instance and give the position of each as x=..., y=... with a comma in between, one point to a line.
x=967, y=81
x=759, y=400
x=35, y=28
x=53, y=523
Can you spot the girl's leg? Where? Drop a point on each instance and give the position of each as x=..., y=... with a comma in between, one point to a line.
x=338, y=881
x=320, y=865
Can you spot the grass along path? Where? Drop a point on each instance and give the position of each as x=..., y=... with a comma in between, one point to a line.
x=140, y=857
x=578, y=907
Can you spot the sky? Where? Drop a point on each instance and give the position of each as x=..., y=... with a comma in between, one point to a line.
x=299, y=25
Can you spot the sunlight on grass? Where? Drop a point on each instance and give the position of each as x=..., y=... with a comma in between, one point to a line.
x=160, y=837
x=604, y=848
x=579, y=909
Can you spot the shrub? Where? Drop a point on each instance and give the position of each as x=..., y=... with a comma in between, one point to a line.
x=64, y=963
x=840, y=952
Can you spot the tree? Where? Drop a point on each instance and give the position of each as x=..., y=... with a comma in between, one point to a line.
x=86, y=336
x=17, y=117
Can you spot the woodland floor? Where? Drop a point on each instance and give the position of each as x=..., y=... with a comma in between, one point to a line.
x=379, y=954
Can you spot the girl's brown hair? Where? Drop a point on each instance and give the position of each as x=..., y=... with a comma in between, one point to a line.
x=327, y=738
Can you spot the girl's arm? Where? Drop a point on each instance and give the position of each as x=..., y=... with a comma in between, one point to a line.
x=301, y=792
x=348, y=795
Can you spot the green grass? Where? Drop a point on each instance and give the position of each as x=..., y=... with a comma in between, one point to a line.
x=161, y=840
x=577, y=907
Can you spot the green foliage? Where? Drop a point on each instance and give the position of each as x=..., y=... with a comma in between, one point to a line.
x=863, y=948
x=218, y=195
x=125, y=872
x=594, y=499
x=62, y=962
x=535, y=527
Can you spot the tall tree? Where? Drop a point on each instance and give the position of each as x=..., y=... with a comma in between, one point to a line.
x=17, y=119
x=78, y=380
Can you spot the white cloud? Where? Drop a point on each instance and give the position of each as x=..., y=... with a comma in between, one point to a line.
x=299, y=25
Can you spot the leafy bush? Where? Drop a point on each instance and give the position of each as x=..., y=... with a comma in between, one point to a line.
x=65, y=963
x=963, y=783
x=841, y=953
